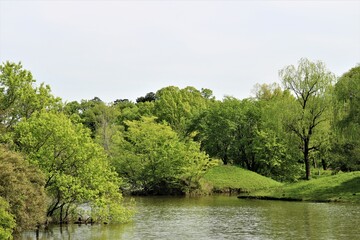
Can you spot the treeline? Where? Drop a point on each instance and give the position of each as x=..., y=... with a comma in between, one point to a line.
x=56, y=156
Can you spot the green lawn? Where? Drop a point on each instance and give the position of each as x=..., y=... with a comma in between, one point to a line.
x=340, y=187
x=225, y=177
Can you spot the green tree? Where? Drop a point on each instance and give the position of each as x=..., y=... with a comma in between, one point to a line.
x=7, y=221
x=347, y=91
x=346, y=125
x=227, y=131
x=19, y=98
x=149, y=97
x=247, y=126
x=22, y=186
x=276, y=149
x=215, y=129
x=267, y=92
x=106, y=119
x=90, y=112
x=130, y=111
x=179, y=106
x=76, y=169
x=309, y=82
x=154, y=160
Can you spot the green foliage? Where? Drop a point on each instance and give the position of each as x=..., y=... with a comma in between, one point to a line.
x=310, y=83
x=22, y=186
x=247, y=124
x=346, y=127
x=149, y=97
x=91, y=112
x=224, y=177
x=268, y=92
x=274, y=157
x=130, y=111
x=154, y=160
x=249, y=133
x=227, y=130
x=216, y=128
x=276, y=148
x=19, y=98
x=347, y=92
x=179, y=106
x=76, y=168
x=7, y=221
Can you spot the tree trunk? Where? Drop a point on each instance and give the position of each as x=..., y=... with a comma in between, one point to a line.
x=324, y=164
x=61, y=214
x=306, y=159
x=225, y=159
x=307, y=168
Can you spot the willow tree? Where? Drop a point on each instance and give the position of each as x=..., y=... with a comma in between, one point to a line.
x=309, y=82
x=346, y=145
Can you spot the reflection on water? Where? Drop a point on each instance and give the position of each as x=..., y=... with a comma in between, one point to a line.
x=221, y=217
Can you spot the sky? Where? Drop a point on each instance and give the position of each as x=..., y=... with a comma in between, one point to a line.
x=126, y=49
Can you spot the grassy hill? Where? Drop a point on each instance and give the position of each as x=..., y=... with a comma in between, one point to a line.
x=340, y=187
x=225, y=178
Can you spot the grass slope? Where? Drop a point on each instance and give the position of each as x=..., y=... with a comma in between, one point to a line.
x=340, y=187
x=224, y=178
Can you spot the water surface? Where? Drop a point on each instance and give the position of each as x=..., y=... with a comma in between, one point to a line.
x=222, y=217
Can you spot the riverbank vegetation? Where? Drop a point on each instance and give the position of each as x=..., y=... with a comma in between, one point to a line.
x=342, y=187
x=61, y=156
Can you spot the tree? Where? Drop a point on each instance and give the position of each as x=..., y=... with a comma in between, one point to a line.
x=227, y=131
x=309, y=83
x=131, y=111
x=346, y=125
x=267, y=92
x=276, y=149
x=76, y=169
x=149, y=97
x=347, y=92
x=22, y=186
x=19, y=98
x=7, y=221
x=178, y=106
x=154, y=160
x=89, y=111
x=214, y=129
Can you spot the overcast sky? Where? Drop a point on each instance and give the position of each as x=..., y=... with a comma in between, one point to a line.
x=125, y=49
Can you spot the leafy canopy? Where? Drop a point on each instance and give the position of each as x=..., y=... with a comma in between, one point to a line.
x=154, y=160
x=76, y=169
x=22, y=186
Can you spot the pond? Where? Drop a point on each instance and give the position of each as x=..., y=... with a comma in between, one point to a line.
x=221, y=217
